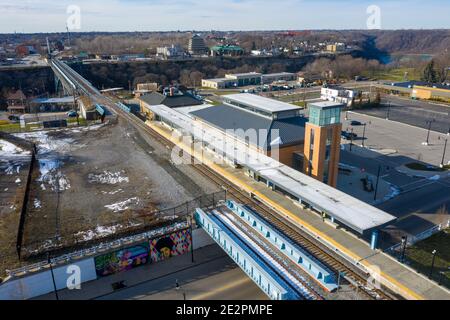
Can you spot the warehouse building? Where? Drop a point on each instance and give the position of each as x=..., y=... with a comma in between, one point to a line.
x=247, y=79
x=281, y=76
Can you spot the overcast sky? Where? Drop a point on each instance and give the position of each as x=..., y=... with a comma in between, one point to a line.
x=164, y=15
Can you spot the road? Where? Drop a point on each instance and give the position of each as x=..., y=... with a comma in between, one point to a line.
x=217, y=280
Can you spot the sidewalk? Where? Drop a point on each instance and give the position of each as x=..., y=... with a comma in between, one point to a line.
x=103, y=286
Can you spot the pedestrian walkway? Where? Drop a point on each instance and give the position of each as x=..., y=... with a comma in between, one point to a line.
x=103, y=287
x=385, y=269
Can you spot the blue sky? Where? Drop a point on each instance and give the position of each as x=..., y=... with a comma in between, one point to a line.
x=154, y=15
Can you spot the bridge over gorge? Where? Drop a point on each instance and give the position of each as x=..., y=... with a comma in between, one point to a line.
x=357, y=218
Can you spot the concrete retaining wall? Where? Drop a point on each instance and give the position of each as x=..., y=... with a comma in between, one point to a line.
x=41, y=283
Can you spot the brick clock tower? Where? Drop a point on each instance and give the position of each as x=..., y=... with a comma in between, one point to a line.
x=323, y=141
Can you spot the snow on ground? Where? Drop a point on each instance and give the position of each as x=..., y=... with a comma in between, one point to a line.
x=113, y=192
x=49, y=154
x=7, y=149
x=46, y=143
x=97, y=232
x=37, y=203
x=124, y=205
x=108, y=177
x=11, y=158
x=102, y=231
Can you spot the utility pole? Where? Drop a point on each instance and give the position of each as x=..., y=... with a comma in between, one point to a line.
x=443, y=156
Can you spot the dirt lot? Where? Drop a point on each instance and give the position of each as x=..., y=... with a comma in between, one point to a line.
x=90, y=181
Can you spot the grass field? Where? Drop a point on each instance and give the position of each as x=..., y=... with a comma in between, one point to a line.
x=420, y=256
x=395, y=74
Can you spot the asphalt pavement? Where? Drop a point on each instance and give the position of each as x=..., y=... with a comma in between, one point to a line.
x=414, y=112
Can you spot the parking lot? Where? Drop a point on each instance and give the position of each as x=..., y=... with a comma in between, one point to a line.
x=413, y=112
x=423, y=196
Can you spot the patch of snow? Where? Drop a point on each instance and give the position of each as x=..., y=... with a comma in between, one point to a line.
x=99, y=231
x=108, y=177
x=9, y=149
x=122, y=206
x=18, y=180
x=46, y=143
x=112, y=192
x=37, y=204
x=435, y=178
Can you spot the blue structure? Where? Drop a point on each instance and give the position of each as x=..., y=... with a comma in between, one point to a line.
x=374, y=240
x=128, y=108
x=293, y=251
x=261, y=270
x=100, y=109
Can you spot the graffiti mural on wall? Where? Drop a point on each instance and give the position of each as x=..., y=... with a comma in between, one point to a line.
x=171, y=245
x=121, y=260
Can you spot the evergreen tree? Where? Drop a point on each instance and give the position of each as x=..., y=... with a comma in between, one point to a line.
x=429, y=73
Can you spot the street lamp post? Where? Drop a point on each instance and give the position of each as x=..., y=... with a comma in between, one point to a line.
x=404, y=244
x=429, y=122
x=364, y=135
x=351, y=140
x=443, y=156
x=53, y=276
x=378, y=181
x=432, y=263
x=388, y=111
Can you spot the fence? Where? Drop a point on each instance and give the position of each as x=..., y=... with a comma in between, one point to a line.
x=141, y=223
x=23, y=210
x=422, y=260
x=411, y=240
x=32, y=148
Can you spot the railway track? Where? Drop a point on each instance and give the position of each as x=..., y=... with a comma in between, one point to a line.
x=356, y=278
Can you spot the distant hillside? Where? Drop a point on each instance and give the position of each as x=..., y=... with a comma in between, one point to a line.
x=413, y=41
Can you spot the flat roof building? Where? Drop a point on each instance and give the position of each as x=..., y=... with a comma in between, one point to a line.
x=263, y=106
x=247, y=79
x=280, y=76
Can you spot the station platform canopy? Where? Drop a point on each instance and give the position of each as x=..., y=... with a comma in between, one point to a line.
x=354, y=213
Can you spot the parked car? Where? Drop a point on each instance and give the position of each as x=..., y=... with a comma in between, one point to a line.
x=72, y=114
x=356, y=123
x=13, y=118
x=348, y=135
